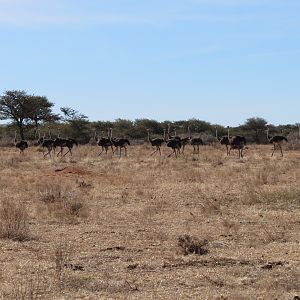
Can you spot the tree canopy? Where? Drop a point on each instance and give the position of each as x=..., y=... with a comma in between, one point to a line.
x=22, y=109
x=256, y=124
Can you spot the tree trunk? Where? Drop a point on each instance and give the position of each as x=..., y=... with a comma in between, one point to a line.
x=256, y=136
x=36, y=123
x=21, y=130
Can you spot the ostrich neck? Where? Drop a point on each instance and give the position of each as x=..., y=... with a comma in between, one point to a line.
x=268, y=135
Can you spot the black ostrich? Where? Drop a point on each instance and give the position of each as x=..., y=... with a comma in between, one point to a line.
x=21, y=145
x=196, y=143
x=171, y=138
x=62, y=143
x=185, y=140
x=174, y=137
x=46, y=143
x=157, y=143
x=236, y=142
x=119, y=144
x=224, y=140
x=173, y=143
x=104, y=143
x=277, y=141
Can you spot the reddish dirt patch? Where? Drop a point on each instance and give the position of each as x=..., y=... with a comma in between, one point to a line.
x=70, y=170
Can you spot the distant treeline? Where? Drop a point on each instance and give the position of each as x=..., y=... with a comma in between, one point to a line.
x=32, y=115
x=84, y=130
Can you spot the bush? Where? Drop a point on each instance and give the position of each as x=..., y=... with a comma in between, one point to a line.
x=192, y=245
x=293, y=141
x=13, y=220
x=63, y=202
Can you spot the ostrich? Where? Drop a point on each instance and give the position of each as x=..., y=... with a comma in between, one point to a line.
x=155, y=143
x=277, y=141
x=224, y=140
x=119, y=143
x=173, y=143
x=46, y=143
x=236, y=142
x=69, y=143
x=176, y=137
x=196, y=142
x=105, y=143
x=185, y=140
x=21, y=145
x=60, y=142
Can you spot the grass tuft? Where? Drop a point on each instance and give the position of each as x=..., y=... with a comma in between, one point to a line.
x=192, y=245
x=13, y=220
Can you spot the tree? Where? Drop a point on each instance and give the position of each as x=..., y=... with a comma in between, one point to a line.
x=200, y=126
x=70, y=114
x=123, y=128
x=78, y=125
x=141, y=126
x=255, y=124
x=24, y=109
x=42, y=111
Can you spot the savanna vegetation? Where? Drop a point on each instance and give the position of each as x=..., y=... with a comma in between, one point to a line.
x=27, y=113
x=202, y=226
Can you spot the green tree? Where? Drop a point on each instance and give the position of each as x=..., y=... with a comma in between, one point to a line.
x=256, y=124
x=141, y=126
x=78, y=127
x=42, y=111
x=123, y=128
x=70, y=114
x=24, y=109
x=200, y=126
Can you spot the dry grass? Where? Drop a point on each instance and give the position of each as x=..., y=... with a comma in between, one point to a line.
x=13, y=220
x=192, y=245
x=106, y=227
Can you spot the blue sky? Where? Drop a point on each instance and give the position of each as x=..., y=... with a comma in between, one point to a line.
x=217, y=60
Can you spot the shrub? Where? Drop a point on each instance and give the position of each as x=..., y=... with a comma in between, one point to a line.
x=293, y=141
x=13, y=220
x=192, y=245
